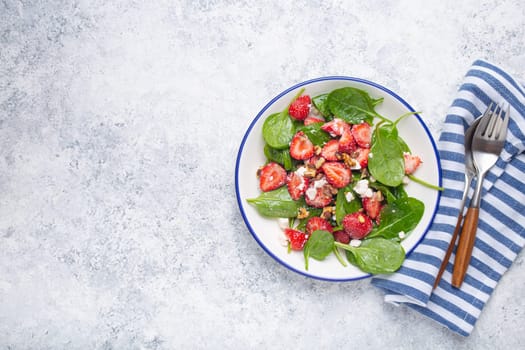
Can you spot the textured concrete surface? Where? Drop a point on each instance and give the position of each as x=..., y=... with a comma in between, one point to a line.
x=120, y=122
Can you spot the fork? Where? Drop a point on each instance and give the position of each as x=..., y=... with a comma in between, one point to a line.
x=487, y=144
x=470, y=173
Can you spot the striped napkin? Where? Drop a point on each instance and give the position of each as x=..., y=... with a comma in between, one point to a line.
x=501, y=234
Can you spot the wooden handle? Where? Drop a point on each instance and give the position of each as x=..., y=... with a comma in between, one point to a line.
x=450, y=248
x=465, y=246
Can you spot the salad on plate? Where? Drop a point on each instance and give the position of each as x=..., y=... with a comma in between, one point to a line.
x=335, y=180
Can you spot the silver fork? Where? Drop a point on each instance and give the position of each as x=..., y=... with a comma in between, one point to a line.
x=487, y=144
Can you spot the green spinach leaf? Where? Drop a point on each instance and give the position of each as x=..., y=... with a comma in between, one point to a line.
x=402, y=215
x=375, y=255
x=314, y=132
x=320, y=102
x=343, y=207
x=319, y=246
x=385, y=161
x=276, y=203
x=278, y=130
x=352, y=105
x=281, y=156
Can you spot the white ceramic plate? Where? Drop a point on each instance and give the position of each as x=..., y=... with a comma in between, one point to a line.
x=251, y=157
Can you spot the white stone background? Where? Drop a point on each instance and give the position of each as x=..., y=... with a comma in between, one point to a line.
x=120, y=122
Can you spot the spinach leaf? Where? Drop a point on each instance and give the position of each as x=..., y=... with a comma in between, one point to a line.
x=402, y=215
x=281, y=156
x=343, y=207
x=319, y=246
x=375, y=255
x=278, y=130
x=314, y=132
x=352, y=105
x=320, y=102
x=385, y=161
x=276, y=203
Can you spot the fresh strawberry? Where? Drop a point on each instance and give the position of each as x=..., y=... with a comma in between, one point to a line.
x=296, y=238
x=301, y=147
x=362, y=156
x=357, y=225
x=330, y=149
x=297, y=185
x=312, y=120
x=342, y=236
x=412, y=162
x=337, y=174
x=347, y=142
x=317, y=223
x=300, y=108
x=336, y=127
x=318, y=194
x=362, y=134
x=271, y=177
x=373, y=205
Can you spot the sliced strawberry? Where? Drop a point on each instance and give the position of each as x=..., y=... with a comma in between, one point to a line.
x=271, y=177
x=347, y=142
x=362, y=156
x=317, y=223
x=342, y=236
x=318, y=194
x=300, y=108
x=357, y=225
x=301, y=147
x=362, y=134
x=412, y=162
x=336, y=127
x=296, y=238
x=312, y=120
x=373, y=205
x=337, y=174
x=297, y=185
x=330, y=149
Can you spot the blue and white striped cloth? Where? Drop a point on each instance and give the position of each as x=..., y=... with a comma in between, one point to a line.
x=501, y=233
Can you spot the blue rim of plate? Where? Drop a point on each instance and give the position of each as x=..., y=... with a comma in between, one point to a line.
x=260, y=114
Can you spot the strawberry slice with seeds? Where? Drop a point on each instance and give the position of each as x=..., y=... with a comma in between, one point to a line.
x=342, y=236
x=312, y=120
x=318, y=223
x=318, y=194
x=373, y=205
x=336, y=127
x=271, y=177
x=347, y=142
x=300, y=108
x=357, y=225
x=412, y=162
x=296, y=238
x=301, y=147
x=330, y=149
x=337, y=174
x=362, y=134
x=362, y=156
x=297, y=185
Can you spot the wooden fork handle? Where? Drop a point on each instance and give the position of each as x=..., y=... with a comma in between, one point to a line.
x=465, y=246
x=450, y=248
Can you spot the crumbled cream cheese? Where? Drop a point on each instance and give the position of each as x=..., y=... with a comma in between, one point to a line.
x=355, y=243
x=401, y=234
x=283, y=223
x=349, y=196
x=282, y=239
x=300, y=171
x=362, y=189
